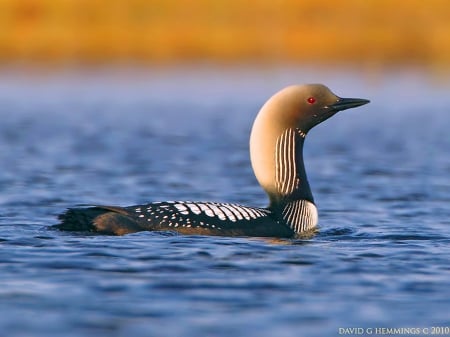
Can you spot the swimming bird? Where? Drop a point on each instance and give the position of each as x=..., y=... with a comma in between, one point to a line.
x=276, y=152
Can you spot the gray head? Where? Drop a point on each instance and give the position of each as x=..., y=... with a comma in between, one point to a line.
x=297, y=107
x=304, y=106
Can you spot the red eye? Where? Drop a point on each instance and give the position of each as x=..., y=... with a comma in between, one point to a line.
x=311, y=100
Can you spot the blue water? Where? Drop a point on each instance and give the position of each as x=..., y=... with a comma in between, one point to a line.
x=379, y=174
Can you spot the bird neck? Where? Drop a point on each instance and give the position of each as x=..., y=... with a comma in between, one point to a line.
x=291, y=183
x=293, y=202
x=277, y=160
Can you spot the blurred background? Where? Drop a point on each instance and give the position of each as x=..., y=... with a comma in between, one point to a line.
x=367, y=33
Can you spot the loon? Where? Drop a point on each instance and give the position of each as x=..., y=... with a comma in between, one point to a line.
x=276, y=152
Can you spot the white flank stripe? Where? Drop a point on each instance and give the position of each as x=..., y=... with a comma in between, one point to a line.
x=253, y=213
x=217, y=211
x=206, y=209
x=299, y=215
x=228, y=212
x=194, y=208
x=182, y=209
x=244, y=212
x=236, y=209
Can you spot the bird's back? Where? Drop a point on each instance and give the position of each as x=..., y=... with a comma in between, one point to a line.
x=205, y=218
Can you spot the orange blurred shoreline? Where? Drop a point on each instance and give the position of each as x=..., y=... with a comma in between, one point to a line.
x=364, y=33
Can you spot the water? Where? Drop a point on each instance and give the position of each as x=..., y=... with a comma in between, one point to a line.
x=379, y=174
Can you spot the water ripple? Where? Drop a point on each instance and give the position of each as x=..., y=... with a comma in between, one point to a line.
x=382, y=247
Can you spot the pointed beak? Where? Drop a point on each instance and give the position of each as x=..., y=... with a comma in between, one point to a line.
x=347, y=103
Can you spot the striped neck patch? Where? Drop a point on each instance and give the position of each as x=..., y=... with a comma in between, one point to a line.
x=286, y=161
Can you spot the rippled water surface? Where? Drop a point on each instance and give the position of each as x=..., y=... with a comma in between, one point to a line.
x=379, y=174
